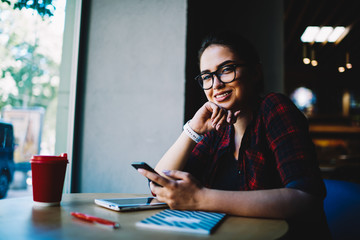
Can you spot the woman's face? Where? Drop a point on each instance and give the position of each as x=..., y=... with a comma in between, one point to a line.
x=233, y=95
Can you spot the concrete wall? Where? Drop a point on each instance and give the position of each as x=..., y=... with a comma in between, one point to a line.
x=133, y=91
x=130, y=103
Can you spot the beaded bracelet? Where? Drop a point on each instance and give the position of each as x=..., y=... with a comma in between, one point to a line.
x=191, y=133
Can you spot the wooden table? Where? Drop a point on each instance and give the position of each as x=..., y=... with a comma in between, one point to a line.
x=20, y=219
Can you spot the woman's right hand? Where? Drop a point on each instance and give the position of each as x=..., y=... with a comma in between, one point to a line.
x=211, y=116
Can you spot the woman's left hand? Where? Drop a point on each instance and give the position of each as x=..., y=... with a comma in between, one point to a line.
x=180, y=191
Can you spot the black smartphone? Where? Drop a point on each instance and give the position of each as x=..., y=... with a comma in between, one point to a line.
x=145, y=166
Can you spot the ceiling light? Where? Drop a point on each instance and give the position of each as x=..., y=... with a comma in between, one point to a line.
x=306, y=60
x=314, y=62
x=341, y=69
x=309, y=34
x=348, y=64
x=341, y=37
x=323, y=34
x=338, y=31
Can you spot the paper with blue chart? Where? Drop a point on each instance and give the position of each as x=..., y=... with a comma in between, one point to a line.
x=183, y=221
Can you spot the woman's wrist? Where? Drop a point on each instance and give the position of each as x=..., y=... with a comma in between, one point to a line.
x=200, y=199
x=195, y=128
x=196, y=137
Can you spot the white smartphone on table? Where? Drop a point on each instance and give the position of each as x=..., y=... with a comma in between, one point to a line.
x=127, y=204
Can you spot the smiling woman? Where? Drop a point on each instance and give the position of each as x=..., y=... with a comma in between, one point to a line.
x=217, y=58
x=256, y=157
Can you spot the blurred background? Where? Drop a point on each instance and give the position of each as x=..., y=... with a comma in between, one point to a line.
x=322, y=77
x=112, y=82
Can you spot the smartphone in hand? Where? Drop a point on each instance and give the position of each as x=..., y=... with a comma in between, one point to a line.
x=145, y=166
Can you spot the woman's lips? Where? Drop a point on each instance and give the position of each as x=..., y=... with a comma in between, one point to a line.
x=222, y=96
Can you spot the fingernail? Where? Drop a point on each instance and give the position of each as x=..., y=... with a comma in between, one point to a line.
x=166, y=172
x=140, y=170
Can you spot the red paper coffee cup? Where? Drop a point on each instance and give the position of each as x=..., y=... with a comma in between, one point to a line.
x=48, y=174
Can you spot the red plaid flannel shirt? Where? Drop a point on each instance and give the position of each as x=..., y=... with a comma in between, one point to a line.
x=276, y=151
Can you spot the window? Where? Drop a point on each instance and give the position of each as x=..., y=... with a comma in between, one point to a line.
x=31, y=51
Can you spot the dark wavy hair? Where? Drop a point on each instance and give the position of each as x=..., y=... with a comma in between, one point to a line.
x=243, y=48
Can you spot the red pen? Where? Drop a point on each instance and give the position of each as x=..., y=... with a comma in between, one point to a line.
x=93, y=219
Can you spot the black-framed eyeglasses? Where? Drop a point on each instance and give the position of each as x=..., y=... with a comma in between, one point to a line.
x=225, y=74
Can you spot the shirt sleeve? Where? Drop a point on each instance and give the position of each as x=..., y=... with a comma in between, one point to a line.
x=290, y=141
